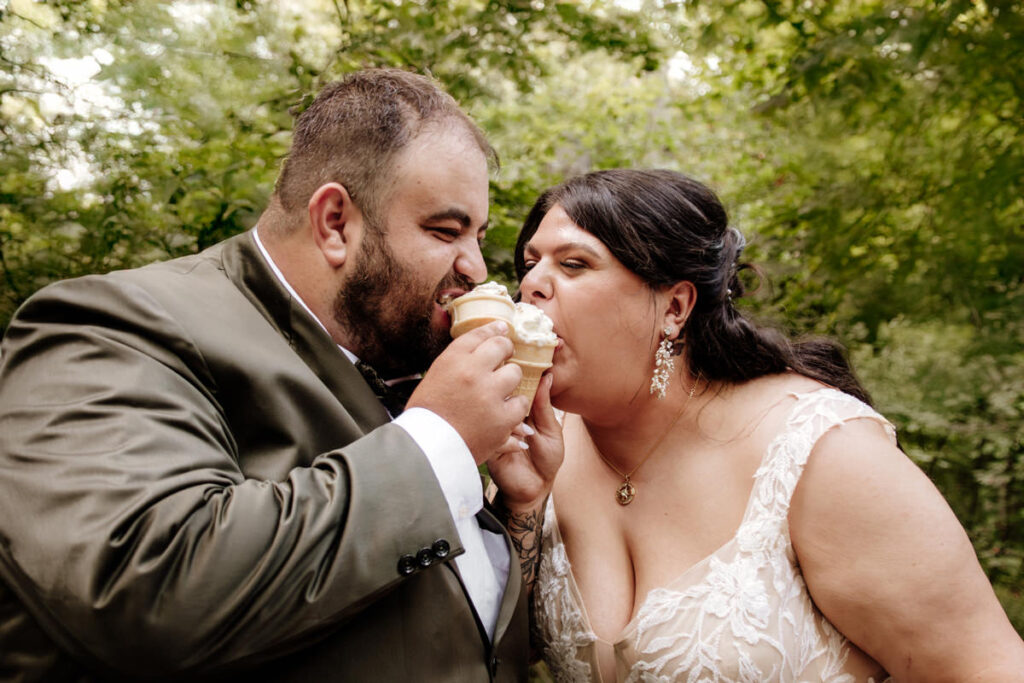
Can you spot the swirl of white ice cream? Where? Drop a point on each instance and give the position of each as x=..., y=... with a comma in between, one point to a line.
x=491, y=287
x=532, y=326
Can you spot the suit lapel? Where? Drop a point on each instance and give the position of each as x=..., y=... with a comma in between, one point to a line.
x=246, y=267
x=454, y=568
x=515, y=576
x=513, y=587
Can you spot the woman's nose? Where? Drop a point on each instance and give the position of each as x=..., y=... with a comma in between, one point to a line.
x=535, y=286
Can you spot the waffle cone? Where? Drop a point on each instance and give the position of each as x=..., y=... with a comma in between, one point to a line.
x=533, y=353
x=531, y=377
x=472, y=310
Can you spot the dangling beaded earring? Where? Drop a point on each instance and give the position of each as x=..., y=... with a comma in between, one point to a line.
x=664, y=365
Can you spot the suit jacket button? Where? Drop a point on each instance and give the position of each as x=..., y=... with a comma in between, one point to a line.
x=406, y=565
x=425, y=558
x=441, y=549
x=494, y=665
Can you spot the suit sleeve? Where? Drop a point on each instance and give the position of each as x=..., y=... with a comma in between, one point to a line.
x=126, y=525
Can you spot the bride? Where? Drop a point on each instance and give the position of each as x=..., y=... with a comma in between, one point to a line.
x=730, y=507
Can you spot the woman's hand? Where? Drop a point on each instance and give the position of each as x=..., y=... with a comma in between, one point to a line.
x=524, y=479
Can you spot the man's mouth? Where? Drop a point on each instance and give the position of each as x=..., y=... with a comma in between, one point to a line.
x=445, y=298
x=443, y=303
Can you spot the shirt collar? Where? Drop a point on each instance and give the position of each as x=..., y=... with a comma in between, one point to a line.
x=291, y=290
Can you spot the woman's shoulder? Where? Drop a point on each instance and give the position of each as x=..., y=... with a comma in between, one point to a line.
x=881, y=552
x=787, y=384
x=773, y=390
x=802, y=397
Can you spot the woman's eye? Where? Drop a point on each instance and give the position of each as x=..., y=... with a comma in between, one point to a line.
x=572, y=264
x=528, y=264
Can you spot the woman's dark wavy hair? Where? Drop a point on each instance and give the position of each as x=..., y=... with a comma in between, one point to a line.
x=667, y=228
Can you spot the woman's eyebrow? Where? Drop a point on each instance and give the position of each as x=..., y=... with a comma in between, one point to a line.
x=581, y=246
x=568, y=246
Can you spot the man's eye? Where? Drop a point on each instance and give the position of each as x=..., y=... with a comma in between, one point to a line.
x=446, y=234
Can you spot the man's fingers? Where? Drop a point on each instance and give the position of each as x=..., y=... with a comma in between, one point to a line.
x=507, y=378
x=519, y=405
x=494, y=351
x=470, y=385
x=476, y=336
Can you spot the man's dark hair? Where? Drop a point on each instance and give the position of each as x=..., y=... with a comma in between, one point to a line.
x=355, y=129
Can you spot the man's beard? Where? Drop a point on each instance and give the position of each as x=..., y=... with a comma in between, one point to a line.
x=386, y=312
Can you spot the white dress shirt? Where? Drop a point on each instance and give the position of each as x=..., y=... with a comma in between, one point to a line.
x=485, y=565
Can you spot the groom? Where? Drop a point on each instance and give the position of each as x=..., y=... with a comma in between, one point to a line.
x=197, y=477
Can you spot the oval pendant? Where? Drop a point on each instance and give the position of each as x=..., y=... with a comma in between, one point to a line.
x=625, y=494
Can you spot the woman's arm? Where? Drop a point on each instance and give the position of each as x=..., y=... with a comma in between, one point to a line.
x=887, y=562
x=524, y=528
x=524, y=479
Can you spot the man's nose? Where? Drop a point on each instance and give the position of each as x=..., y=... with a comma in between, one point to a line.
x=470, y=262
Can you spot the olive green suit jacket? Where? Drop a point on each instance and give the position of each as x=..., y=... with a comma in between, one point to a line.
x=196, y=483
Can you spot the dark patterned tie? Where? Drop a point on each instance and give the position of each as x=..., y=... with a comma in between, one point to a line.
x=394, y=396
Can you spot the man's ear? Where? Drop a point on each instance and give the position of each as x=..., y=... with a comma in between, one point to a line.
x=335, y=221
x=681, y=298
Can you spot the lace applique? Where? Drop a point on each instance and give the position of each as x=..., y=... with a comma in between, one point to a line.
x=743, y=614
x=563, y=636
x=734, y=594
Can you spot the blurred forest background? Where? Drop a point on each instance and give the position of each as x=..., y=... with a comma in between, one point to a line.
x=871, y=150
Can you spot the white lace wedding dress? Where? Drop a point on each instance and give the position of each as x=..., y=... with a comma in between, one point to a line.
x=741, y=614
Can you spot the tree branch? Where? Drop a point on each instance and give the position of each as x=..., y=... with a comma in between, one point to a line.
x=342, y=20
x=31, y=21
x=18, y=298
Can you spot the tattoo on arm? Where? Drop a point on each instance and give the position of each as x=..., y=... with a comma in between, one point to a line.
x=525, y=530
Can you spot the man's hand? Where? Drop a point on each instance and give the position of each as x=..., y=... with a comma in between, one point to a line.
x=469, y=386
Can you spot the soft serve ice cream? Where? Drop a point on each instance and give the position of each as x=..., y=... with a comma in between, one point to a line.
x=532, y=331
x=493, y=288
x=535, y=342
x=532, y=327
x=486, y=302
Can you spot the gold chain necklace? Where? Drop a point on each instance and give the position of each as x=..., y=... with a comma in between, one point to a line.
x=626, y=492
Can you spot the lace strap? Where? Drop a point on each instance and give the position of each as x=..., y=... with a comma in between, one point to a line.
x=812, y=415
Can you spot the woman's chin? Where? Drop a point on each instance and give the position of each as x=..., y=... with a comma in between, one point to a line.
x=558, y=391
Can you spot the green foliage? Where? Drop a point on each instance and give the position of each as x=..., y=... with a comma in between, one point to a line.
x=174, y=142
x=873, y=151
x=1013, y=602
x=887, y=200
x=958, y=398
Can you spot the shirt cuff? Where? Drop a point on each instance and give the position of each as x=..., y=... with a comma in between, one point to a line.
x=450, y=459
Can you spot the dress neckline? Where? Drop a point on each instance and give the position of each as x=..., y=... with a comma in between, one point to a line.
x=630, y=627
